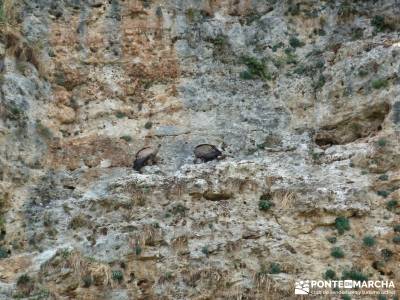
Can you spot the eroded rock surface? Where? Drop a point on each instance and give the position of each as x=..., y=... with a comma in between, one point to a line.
x=301, y=96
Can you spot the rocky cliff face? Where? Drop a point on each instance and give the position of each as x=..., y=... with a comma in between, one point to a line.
x=302, y=96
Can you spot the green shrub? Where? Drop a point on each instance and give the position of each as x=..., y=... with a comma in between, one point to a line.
x=120, y=114
x=396, y=239
x=148, y=125
x=383, y=194
x=117, y=275
x=386, y=253
x=391, y=204
x=275, y=268
x=126, y=138
x=379, y=83
x=381, y=142
x=264, y=204
x=138, y=250
x=354, y=274
x=362, y=72
x=382, y=297
x=342, y=224
x=255, y=68
x=396, y=228
x=383, y=177
x=369, y=241
x=379, y=23
x=205, y=250
x=3, y=253
x=337, y=252
x=329, y=274
x=294, y=42
x=87, y=280
x=23, y=280
x=346, y=297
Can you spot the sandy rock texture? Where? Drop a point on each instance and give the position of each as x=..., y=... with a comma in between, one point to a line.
x=303, y=98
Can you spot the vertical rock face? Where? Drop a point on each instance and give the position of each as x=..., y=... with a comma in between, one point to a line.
x=301, y=96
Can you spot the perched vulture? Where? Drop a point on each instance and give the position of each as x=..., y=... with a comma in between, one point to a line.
x=206, y=152
x=144, y=157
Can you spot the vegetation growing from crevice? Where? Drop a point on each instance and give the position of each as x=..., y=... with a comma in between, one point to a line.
x=265, y=203
x=354, y=274
x=255, y=69
x=369, y=241
x=342, y=224
x=337, y=252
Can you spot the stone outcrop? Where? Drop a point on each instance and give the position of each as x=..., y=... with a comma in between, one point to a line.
x=301, y=96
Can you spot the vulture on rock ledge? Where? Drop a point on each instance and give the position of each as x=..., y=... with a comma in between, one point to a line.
x=145, y=156
x=206, y=152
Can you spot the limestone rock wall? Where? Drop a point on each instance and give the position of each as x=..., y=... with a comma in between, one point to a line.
x=302, y=97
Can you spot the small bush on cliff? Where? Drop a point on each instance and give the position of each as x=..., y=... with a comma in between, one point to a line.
x=126, y=138
x=379, y=83
x=383, y=177
x=369, y=241
x=87, y=280
x=392, y=204
x=386, y=254
x=381, y=142
x=337, y=252
x=23, y=279
x=138, y=249
x=117, y=275
x=275, y=268
x=396, y=239
x=120, y=114
x=330, y=274
x=205, y=250
x=3, y=253
x=265, y=202
x=380, y=24
x=396, y=228
x=354, y=274
x=255, y=69
x=342, y=224
x=294, y=42
x=383, y=194
x=25, y=285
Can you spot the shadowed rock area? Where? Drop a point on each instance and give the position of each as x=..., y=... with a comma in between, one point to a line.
x=300, y=97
